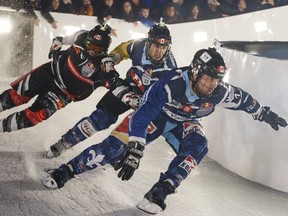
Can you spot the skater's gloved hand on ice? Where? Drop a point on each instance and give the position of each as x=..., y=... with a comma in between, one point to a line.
x=131, y=160
x=56, y=46
x=268, y=116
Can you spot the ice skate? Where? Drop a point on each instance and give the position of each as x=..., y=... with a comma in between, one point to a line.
x=154, y=200
x=58, y=148
x=56, y=178
x=149, y=207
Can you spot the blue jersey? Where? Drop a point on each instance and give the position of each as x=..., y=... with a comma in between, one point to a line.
x=173, y=97
x=143, y=72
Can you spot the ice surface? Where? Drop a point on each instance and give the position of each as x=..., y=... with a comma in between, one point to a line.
x=210, y=190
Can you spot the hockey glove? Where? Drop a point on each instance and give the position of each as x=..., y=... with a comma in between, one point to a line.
x=270, y=118
x=109, y=78
x=131, y=160
x=132, y=99
x=107, y=64
x=56, y=46
x=121, y=91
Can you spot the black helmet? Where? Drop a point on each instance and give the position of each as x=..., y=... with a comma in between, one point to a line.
x=159, y=34
x=210, y=62
x=99, y=38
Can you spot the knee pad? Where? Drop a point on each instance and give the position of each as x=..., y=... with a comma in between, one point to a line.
x=102, y=118
x=99, y=120
x=50, y=103
x=44, y=107
x=35, y=117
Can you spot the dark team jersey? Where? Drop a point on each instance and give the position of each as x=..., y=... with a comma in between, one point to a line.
x=172, y=96
x=77, y=74
x=143, y=72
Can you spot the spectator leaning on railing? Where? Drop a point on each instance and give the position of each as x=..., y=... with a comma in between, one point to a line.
x=174, y=11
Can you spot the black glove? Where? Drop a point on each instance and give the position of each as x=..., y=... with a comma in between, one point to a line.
x=119, y=82
x=109, y=78
x=131, y=160
x=270, y=118
x=56, y=46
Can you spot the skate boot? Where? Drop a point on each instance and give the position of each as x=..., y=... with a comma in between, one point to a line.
x=58, y=148
x=154, y=200
x=56, y=178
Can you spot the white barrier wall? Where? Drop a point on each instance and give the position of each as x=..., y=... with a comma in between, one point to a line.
x=251, y=148
x=247, y=147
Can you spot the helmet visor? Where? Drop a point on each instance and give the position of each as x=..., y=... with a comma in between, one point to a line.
x=94, y=48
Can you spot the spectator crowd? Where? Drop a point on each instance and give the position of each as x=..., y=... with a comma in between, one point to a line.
x=145, y=11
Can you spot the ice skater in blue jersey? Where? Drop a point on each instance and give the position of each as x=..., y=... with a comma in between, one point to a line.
x=173, y=105
x=152, y=58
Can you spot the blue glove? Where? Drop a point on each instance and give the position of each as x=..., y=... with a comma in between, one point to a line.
x=268, y=116
x=131, y=160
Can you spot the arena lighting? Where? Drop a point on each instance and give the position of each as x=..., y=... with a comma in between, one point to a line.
x=69, y=30
x=137, y=35
x=261, y=26
x=200, y=37
x=6, y=25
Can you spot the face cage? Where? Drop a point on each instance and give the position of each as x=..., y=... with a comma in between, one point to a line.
x=196, y=74
x=160, y=61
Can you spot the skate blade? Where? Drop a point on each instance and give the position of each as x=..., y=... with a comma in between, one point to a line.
x=49, y=154
x=49, y=182
x=148, y=207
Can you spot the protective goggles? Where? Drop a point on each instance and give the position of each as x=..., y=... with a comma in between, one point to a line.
x=95, y=48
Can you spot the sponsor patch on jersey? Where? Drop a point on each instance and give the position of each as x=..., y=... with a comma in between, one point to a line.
x=146, y=77
x=188, y=164
x=86, y=128
x=187, y=109
x=174, y=115
x=88, y=69
x=205, y=109
x=192, y=127
x=252, y=106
